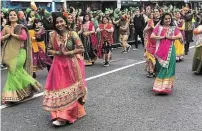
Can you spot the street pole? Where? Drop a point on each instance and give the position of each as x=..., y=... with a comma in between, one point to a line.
x=53, y=6
x=65, y=4
x=119, y=4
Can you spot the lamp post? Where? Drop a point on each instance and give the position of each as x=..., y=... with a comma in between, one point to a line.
x=65, y=4
x=53, y=6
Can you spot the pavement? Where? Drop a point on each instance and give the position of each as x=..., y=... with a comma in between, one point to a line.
x=120, y=98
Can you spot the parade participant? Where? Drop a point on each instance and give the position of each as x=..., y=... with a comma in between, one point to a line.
x=3, y=20
x=47, y=22
x=71, y=21
x=115, y=21
x=188, y=28
x=149, y=48
x=30, y=19
x=124, y=32
x=89, y=40
x=22, y=19
x=105, y=49
x=65, y=88
x=165, y=34
x=197, y=60
x=78, y=25
x=17, y=57
x=139, y=25
x=179, y=43
x=40, y=58
x=157, y=16
x=150, y=44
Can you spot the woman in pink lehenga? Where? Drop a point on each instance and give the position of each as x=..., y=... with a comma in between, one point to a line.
x=65, y=88
x=150, y=44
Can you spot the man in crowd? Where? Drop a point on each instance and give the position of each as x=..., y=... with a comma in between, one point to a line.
x=188, y=16
x=139, y=25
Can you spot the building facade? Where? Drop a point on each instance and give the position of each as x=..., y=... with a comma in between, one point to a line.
x=54, y=5
x=50, y=5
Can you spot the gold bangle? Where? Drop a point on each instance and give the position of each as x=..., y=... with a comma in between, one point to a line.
x=71, y=52
x=16, y=36
x=54, y=52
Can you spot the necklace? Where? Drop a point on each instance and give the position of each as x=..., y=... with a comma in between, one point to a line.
x=62, y=39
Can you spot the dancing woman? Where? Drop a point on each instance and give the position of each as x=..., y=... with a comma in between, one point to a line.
x=105, y=49
x=150, y=44
x=65, y=88
x=165, y=34
x=197, y=60
x=89, y=40
x=40, y=58
x=17, y=56
x=124, y=32
x=179, y=43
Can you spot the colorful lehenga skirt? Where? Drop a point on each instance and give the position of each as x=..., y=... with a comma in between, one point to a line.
x=179, y=47
x=19, y=84
x=40, y=58
x=150, y=62
x=165, y=76
x=90, y=53
x=64, y=90
x=197, y=60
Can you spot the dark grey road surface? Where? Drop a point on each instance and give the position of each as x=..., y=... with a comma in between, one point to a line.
x=121, y=101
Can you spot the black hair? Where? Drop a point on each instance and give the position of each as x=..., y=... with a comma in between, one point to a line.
x=84, y=21
x=162, y=19
x=55, y=15
x=12, y=10
x=106, y=18
x=35, y=22
x=156, y=8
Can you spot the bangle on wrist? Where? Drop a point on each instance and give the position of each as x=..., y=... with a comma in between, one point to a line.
x=54, y=52
x=16, y=36
x=71, y=52
x=57, y=52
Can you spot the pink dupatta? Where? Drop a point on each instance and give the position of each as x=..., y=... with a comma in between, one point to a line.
x=93, y=37
x=164, y=46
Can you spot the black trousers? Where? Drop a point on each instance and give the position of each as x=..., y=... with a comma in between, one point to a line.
x=140, y=33
x=188, y=39
x=187, y=46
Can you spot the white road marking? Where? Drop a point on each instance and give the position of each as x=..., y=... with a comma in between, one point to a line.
x=88, y=79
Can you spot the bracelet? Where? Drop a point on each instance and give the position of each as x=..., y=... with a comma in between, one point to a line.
x=57, y=52
x=54, y=52
x=71, y=52
x=16, y=36
x=6, y=36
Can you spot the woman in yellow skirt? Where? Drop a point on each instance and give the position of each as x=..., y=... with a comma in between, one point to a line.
x=40, y=58
x=179, y=44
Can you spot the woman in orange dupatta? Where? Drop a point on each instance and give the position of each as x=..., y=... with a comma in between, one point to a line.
x=65, y=88
x=104, y=48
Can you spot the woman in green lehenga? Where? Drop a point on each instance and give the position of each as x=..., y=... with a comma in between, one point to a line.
x=197, y=60
x=165, y=34
x=16, y=55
